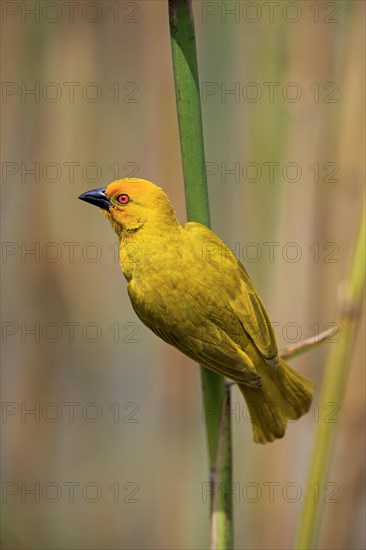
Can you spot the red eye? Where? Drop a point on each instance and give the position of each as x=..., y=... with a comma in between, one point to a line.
x=123, y=199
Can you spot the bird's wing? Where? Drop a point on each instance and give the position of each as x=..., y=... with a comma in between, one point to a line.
x=212, y=347
x=184, y=327
x=243, y=298
x=168, y=336
x=255, y=321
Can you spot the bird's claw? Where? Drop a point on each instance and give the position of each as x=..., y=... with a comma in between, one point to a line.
x=274, y=362
x=255, y=380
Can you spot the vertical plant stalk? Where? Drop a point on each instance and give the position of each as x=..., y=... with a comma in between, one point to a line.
x=333, y=391
x=221, y=495
x=217, y=415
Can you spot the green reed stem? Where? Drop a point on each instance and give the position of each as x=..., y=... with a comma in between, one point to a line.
x=217, y=417
x=332, y=390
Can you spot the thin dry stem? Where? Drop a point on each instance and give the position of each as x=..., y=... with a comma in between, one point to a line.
x=308, y=344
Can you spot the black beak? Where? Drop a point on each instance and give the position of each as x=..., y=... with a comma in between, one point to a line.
x=96, y=197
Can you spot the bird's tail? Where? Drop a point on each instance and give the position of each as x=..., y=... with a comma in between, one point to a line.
x=284, y=395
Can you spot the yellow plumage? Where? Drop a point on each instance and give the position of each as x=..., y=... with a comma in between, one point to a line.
x=186, y=286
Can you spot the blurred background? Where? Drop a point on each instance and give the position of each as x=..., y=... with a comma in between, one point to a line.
x=103, y=439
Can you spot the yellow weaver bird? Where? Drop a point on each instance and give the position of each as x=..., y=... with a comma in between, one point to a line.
x=187, y=286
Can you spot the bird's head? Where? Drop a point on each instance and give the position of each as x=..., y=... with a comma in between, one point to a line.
x=132, y=203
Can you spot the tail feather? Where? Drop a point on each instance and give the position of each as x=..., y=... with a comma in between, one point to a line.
x=285, y=394
x=296, y=389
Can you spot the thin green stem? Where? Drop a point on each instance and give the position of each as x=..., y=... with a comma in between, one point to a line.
x=186, y=81
x=188, y=100
x=333, y=391
x=221, y=505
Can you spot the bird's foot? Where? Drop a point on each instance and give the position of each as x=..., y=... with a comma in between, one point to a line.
x=253, y=379
x=273, y=362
